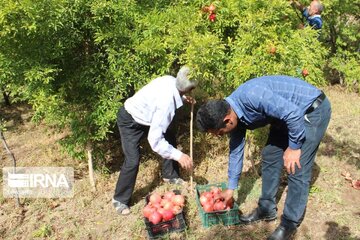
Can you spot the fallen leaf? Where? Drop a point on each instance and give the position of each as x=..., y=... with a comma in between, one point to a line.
x=347, y=176
x=54, y=205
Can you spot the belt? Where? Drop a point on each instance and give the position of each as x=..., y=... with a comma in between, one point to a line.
x=316, y=103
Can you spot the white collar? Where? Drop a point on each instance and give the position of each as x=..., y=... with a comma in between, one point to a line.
x=315, y=16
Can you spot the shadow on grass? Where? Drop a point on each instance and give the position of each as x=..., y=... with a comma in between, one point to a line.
x=247, y=182
x=249, y=232
x=249, y=178
x=336, y=232
x=344, y=150
x=14, y=115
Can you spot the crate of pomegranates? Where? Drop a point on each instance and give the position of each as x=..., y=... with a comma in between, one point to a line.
x=213, y=210
x=163, y=213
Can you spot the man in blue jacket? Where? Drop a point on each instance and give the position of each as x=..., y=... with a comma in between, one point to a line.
x=298, y=114
x=311, y=13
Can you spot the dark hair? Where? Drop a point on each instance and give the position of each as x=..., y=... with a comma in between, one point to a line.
x=211, y=115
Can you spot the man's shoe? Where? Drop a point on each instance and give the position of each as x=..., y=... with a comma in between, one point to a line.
x=282, y=233
x=256, y=216
x=121, y=208
x=177, y=181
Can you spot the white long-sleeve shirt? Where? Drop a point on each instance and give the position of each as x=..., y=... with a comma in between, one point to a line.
x=154, y=105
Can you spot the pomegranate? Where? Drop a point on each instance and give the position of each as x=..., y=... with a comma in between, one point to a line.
x=305, y=72
x=272, y=50
x=168, y=205
x=155, y=198
x=155, y=205
x=164, y=201
x=167, y=215
x=178, y=200
x=215, y=190
x=212, y=8
x=155, y=217
x=208, y=207
x=218, y=197
x=219, y=206
x=169, y=195
x=161, y=211
x=212, y=17
x=207, y=194
x=148, y=210
x=204, y=200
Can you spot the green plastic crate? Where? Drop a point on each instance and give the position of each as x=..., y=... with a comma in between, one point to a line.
x=225, y=217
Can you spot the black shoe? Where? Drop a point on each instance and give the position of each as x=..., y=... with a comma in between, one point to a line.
x=282, y=233
x=256, y=216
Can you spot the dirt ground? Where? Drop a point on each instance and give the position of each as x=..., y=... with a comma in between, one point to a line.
x=333, y=210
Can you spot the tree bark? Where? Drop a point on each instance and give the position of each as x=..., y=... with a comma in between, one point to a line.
x=91, y=169
x=11, y=155
x=6, y=98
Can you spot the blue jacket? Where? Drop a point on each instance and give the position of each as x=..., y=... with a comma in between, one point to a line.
x=314, y=21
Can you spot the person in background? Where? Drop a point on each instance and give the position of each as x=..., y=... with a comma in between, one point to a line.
x=298, y=114
x=311, y=13
x=150, y=111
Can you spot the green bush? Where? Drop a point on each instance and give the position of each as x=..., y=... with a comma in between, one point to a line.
x=76, y=62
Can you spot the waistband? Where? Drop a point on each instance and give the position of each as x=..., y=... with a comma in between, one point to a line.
x=316, y=103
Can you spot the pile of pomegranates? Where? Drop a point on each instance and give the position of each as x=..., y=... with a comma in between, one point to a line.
x=211, y=10
x=212, y=201
x=163, y=207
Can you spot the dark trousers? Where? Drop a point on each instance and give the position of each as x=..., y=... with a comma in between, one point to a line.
x=131, y=133
x=316, y=123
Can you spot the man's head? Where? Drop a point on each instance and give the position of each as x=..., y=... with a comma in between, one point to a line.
x=217, y=117
x=316, y=7
x=183, y=83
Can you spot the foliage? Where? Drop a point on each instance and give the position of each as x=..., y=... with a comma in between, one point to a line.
x=44, y=231
x=76, y=61
x=346, y=68
x=342, y=35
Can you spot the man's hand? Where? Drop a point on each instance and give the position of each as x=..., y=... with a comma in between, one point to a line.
x=227, y=195
x=185, y=161
x=297, y=4
x=189, y=99
x=292, y=158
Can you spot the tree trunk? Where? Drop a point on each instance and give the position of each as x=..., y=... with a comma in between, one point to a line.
x=333, y=37
x=11, y=155
x=6, y=98
x=91, y=169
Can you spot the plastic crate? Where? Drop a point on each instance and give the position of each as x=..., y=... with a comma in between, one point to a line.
x=177, y=224
x=225, y=217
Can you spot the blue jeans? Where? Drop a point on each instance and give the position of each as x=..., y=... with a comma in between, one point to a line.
x=131, y=133
x=316, y=123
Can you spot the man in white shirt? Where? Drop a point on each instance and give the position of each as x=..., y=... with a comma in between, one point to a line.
x=151, y=111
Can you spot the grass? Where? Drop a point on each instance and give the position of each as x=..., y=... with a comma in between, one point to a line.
x=332, y=206
x=43, y=231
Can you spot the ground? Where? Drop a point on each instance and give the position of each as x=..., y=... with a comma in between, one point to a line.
x=333, y=209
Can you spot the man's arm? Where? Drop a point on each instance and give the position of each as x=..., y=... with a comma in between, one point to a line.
x=236, y=156
x=297, y=5
x=160, y=122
